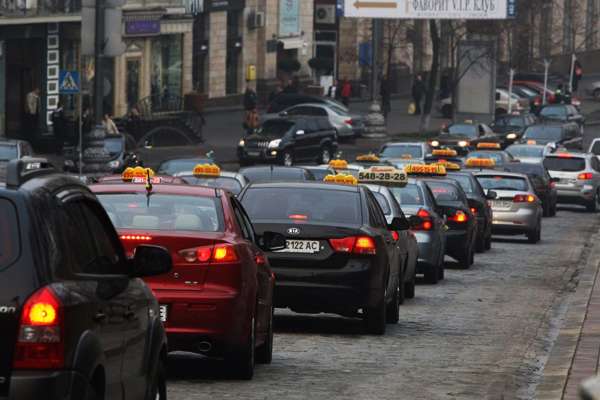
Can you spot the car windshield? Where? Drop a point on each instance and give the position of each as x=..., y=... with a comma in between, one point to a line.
x=511, y=121
x=444, y=192
x=526, y=91
x=463, y=130
x=464, y=181
x=564, y=164
x=163, y=212
x=383, y=203
x=402, y=151
x=503, y=182
x=488, y=155
x=113, y=145
x=172, y=167
x=222, y=182
x=275, y=128
x=410, y=195
x=554, y=112
x=8, y=152
x=552, y=133
x=526, y=151
x=266, y=174
x=9, y=234
x=303, y=204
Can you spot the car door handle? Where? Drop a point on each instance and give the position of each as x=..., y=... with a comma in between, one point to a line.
x=100, y=317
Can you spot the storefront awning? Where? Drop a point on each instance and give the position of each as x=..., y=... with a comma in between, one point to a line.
x=292, y=43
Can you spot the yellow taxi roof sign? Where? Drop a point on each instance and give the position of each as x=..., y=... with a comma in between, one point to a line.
x=531, y=141
x=383, y=176
x=429, y=169
x=338, y=164
x=368, y=158
x=450, y=166
x=489, y=145
x=341, y=179
x=444, y=153
x=206, y=170
x=480, y=163
x=138, y=172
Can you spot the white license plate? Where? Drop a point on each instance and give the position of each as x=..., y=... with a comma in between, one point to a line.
x=162, y=311
x=501, y=204
x=301, y=246
x=254, y=153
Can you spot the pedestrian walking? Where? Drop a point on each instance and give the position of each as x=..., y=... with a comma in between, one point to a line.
x=59, y=126
x=346, y=92
x=384, y=92
x=333, y=91
x=418, y=90
x=577, y=75
x=251, y=121
x=110, y=128
x=250, y=98
x=32, y=110
x=559, y=94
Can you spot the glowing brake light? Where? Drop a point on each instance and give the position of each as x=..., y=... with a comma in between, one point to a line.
x=139, y=238
x=365, y=245
x=459, y=217
x=349, y=122
x=474, y=210
x=425, y=216
x=353, y=244
x=395, y=236
x=523, y=198
x=300, y=217
x=586, y=176
x=217, y=254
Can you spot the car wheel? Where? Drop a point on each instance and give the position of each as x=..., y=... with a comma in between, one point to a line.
x=264, y=353
x=287, y=158
x=535, y=235
x=158, y=388
x=375, y=318
x=325, y=156
x=488, y=242
x=243, y=361
x=597, y=94
x=409, y=287
x=393, y=310
x=432, y=275
x=592, y=206
x=466, y=258
x=480, y=245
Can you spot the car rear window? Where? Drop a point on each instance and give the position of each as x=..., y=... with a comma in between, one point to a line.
x=572, y=164
x=303, y=204
x=222, y=182
x=275, y=175
x=503, y=182
x=444, y=192
x=543, y=132
x=9, y=234
x=464, y=181
x=410, y=195
x=383, y=203
x=526, y=151
x=399, y=151
x=8, y=152
x=528, y=169
x=554, y=112
x=162, y=212
x=320, y=174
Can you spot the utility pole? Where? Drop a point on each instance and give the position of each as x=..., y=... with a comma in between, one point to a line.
x=98, y=61
x=376, y=37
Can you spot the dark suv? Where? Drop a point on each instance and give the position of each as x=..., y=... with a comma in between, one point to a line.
x=75, y=320
x=289, y=140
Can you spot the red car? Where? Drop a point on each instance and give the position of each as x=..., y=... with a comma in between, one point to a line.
x=550, y=95
x=218, y=298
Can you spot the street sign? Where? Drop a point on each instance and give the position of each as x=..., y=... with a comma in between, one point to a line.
x=416, y=9
x=68, y=82
x=511, y=11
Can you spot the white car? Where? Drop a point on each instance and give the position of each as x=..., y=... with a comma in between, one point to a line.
x=595, y=147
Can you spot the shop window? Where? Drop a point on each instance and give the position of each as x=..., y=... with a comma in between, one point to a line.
x=133, y=82
x=166, y=71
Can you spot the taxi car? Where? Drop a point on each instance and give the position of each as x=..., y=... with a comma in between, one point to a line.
x=217, y=301
x=555, y=134
x=492, y=151
x=444, y=156
x=543, y=184
x=529, y=153
x=416, y=199
x=380, y=180
x=463, y=136
x=370, y=160
x=578, y=177
x=176, y=165
x=517, y=209
x=138, y=172
x=211, y=175
x=399, y=151
x=453, y=203
x=340, y=255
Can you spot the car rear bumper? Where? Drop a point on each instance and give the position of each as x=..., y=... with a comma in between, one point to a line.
x=48, y=385
x=218, y=317
x=428, y=257
x=523, y=220
x=578, y=195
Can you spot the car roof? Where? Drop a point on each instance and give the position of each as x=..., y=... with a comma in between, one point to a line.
x=503, y=173
x=561, y=154
x=225, y=174
x=11, y=142
x=320, y=105
x=269, y=168
x=305, y=185
x=182, y=190
x=391, y=144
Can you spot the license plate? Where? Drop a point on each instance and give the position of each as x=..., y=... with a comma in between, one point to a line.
x=162, y=311
x=501, y=204
x=254, y=153
x=301, y=246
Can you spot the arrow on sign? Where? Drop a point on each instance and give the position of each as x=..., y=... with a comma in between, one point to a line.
x=375, y=4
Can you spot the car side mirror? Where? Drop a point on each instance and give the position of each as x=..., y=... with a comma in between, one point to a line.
x=272, y=241
x=399, y=224
x=491, y=195
x=299, y=132
x=151, y=261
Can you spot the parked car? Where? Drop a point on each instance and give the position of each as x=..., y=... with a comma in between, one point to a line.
x=290, y=140
x=76, y=321
x=287, y=100
x=555, y=134
x=119, y=158
x=347, y=125
x=543, y=184
x=445, y=106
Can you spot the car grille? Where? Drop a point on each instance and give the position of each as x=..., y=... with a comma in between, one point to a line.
x=263, y=144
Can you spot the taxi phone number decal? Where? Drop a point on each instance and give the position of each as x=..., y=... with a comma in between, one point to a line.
x=381, y=176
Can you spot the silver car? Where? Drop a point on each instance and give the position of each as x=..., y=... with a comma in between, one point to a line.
x=517, y=210
x=529, y=153
x=346, y=124
x=402, y=152
x=579, y=175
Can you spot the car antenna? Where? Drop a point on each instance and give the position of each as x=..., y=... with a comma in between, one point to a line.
x=148, y=188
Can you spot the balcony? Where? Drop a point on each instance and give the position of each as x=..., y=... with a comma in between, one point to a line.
x=38, y=8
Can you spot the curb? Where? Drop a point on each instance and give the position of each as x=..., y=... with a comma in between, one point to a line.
x=559, y=366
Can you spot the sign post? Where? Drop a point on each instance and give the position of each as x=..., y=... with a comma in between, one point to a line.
x=510, y=89
x=546, y=70
x=69, y=83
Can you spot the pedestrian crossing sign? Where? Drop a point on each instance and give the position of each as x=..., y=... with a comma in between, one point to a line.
x=69, y=82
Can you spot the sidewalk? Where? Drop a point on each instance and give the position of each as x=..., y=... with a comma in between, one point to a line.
x=575, y=355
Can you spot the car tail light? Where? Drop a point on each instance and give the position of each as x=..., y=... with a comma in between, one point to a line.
x=136, y=238
x=354, y=244
x=552, y=185
x=474, y=210
x=459, y=217
x=260, y=259
x=564, y=155
x=40, y=342
x=395, y=236
x=298, y=217
x=220, y=253
x=349, y=122
x=427, y=224
x=523, y=198
x=586, y=176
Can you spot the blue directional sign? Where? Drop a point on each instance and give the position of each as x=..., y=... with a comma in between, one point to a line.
x=511, y=8
x=69, y=82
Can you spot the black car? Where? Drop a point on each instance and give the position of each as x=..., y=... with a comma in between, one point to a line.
x=463, y=137
x=290, y=140
x=76, y=321
x=565, y=113
x=341, y=255
x=558, y=134
x=286, y=100
x=11, y=150
x=478, y=201
x=118, y=157
x=461, y=236
x=510, y=128
x=274, y=173
x=543, y=184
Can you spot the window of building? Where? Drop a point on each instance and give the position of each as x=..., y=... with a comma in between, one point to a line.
x=200, y=57
x=568, y=26
x=234, y=47
x=591, y=24
x=166, y=73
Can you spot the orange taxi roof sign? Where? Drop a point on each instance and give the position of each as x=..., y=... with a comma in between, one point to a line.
x=480, y=163
x=206, y=170
x=489, y=145
x=444, y=153
x=341, y=179
x=422, y=169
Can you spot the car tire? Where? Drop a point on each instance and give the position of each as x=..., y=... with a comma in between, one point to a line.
x=393, y=309
x=409, y=287
x=535, y=235
x=375, y=318
x=287, y=158
x=432, y=275
x=597, y=94
x=264, y=353
x=466, y=258
x=158, y=383
x=325, y=155
x=480, y=245
x=592, y=206
x=243, y=361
